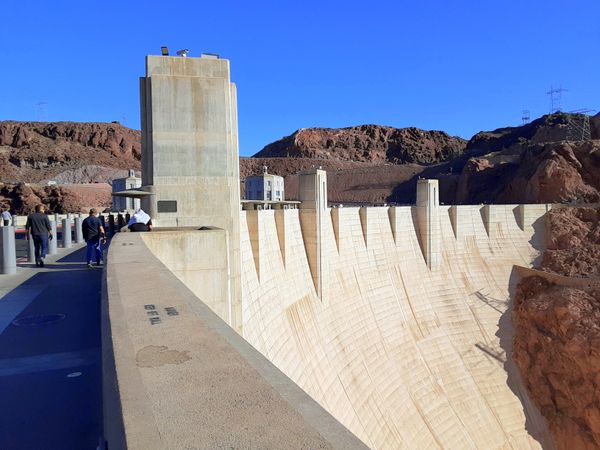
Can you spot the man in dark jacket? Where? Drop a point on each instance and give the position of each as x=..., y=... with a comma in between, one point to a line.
x=93, y=233
x=38, y=228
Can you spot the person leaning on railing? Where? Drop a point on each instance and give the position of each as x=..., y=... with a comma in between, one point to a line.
x=140, y=221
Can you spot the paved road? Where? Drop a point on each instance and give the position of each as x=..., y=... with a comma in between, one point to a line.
x=50, y=372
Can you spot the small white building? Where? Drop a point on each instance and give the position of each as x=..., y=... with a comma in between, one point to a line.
x=265, y=187
x=123, y=184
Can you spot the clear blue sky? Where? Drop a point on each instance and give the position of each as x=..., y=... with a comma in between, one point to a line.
x=457, y=66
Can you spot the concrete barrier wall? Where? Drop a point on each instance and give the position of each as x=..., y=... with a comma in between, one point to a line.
x=404, y=355
x=199, y=259
x=177, y=377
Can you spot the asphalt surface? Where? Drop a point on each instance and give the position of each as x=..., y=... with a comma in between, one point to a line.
x=50, y=358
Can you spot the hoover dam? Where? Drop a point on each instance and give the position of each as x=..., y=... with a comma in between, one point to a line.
x=304, y=324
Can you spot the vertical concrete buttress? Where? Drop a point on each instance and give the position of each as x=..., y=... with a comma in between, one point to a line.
x=312, y=192
x=429, y=221
x=280, y=224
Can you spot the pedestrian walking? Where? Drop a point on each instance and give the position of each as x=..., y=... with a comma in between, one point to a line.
x=6, y=217
x=38, y=228
x=94, y=235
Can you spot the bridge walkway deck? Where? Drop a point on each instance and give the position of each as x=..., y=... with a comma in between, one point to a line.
x=50, y=355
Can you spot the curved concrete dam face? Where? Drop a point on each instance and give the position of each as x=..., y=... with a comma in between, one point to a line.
x=402, y=333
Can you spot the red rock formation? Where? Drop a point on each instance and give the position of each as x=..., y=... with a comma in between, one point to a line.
x=557, y=331
x=21, y=198
x=35, y=151
x=367, y=143
x=573, y=243
x=555, y=172
x=557, y=350
x=367, y=164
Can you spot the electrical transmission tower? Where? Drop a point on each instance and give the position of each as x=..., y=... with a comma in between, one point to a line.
x=555, y=98
x=579, y=126
x=525, y=116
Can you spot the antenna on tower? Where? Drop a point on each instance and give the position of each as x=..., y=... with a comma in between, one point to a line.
x=555, y=98
x=525, y=116
x=41, y=111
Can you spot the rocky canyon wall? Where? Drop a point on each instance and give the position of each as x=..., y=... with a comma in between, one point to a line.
x=557, y=329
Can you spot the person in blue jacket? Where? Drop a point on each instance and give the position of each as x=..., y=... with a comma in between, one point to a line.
x=94, y=235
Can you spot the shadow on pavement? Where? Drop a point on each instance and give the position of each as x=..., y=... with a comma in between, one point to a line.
x=76, y=256
x=50, y=359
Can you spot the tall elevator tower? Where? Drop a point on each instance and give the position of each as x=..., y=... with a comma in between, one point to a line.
x=190, y=156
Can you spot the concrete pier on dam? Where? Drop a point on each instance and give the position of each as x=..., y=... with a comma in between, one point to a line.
x=408, y=343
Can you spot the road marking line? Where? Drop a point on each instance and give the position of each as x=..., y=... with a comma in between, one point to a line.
x=51, y=361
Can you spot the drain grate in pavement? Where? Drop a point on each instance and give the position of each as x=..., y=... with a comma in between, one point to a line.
x=38, y=320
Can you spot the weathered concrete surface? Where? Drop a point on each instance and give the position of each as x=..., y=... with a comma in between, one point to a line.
x=404, y=356
x=189, y=381
x=204, y=269
x=190, y=150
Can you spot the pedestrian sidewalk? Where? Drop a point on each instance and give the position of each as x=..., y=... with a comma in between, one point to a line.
x=50, y=356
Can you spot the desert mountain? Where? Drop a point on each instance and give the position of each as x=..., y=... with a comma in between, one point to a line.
x=67, y=152
x=555, y=158
x=367, y=143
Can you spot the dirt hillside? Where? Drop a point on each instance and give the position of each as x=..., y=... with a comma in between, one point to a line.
x=368, y=143
x=557, y=330
x=544, y=161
